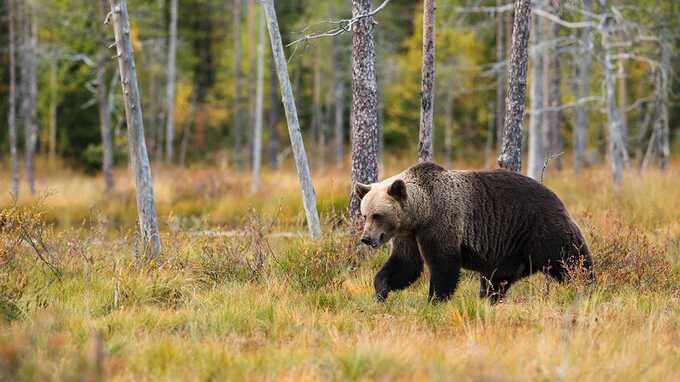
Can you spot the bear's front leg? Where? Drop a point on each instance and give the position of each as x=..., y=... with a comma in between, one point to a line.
x=444, y=263
x=402, y=268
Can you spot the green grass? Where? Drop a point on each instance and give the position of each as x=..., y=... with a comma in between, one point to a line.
x=250, y=306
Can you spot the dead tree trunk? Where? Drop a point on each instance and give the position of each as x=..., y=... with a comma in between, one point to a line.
x=425, y=145
x=146, y=206
x=30, y=80
x=364, y=116
x=238, y=119
x=11, y=113
x=339, y=104
x=316, y=109
x=552, y=134
x=448, y=124
x=584, y=68
x=662, y=118
x=251, y=80
x=536, y=121
x=54, y=89
x=259, y=109
x=308, y=196
x=273, y=147
x=511, y=155
x=616, y=148
x=170, y=92
x=105, y=122
x=500, y=76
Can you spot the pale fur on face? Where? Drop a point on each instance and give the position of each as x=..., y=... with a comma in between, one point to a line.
x=382, y=213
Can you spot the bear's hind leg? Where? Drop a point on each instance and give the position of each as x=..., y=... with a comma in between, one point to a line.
x=402, y=269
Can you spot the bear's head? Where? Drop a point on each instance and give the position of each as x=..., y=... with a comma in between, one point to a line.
x=382, y=206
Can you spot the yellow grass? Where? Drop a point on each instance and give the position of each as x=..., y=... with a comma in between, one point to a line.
x=246, y=305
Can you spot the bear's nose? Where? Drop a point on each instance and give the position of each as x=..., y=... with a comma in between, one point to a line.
x=366, y=240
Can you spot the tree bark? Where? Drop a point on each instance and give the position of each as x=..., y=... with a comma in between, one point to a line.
x=252, y=64
x=662, y=118
x=339, y=104
x=54, y=89
x=259, y=109
x=11, y=113
x=584, y=68
x=616, y=148
x=30, y=82
x=105, y=122
x=238, y=118
x=552, y=142
x=297, y=144
x=536, y=121
x=364, y=115
x=623, y=96
x=170, y=92
x=500, y=76
x=425, y=144
x=275, y=101
x=146, y=208
x=317, y=120
x=511, y=155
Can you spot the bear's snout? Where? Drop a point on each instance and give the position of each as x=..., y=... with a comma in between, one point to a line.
x=371, y=242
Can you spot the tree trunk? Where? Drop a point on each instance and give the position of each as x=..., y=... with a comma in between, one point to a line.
x=537, y=146
x=259, y=109
x=54, y=88
x=252, y=64
x=29, y=78
x=297, y=144
x=274, y=99
x=623, y=96
x=500, y=76
x=553, y=97
x=584, y=68
x=238, y=118
x=186, y=131
x=662, y=117
x=616, y=148
x=146, y=207
x=170, y=92
x=511, y=155
x=425, y=145
x=339, y=104
x=316, y=109
x=105, y=122
x=364, y=116
x=11, y=113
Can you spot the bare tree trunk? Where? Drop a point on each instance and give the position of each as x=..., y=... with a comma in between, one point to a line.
x=252, y=59
x=238, y=119
x=259, y=109
x=617, y=150
x=316, y=108
x=308, y=196
x=52, y=139
x=662, y=118
x=186, y=132
x=170, y=92
x=552, y=142
x=511, y=155
x=584, y=69
x=537, y=146
x=339, y=104
x=29, y=78
x=11, y=113
x=448, y=124
x=500, y=76
x=623, y=96
x=364, y=116
x=105, y=122
x=146, y=207
x=425, y=145
x=275, y=100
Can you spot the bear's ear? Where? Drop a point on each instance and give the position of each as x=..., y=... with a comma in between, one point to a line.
x=397, y=190
x=362, y=189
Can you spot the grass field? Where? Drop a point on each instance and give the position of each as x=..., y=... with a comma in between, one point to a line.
x=234, y=300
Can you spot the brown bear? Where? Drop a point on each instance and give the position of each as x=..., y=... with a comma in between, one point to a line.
x=501, y=224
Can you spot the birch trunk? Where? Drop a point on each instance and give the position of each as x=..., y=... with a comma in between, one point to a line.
x=500, y=76
x=616, y=148
x=238, y=118
x=259, y=109
x=536, y=121
x=146, y=208
x=584, y=69
x=251, y=81
x=297, y=144
x=511, y=155
x=170, y=92
x=11, y=113
x=425, y=145
x=54, y=89
x=553, y=97
x=623, y=96
x=273, y=147
x=364, y=115
x=662, y=118
x=316, y=109
x=29, y=79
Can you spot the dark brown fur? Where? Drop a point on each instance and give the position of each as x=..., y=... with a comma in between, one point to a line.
x=503, y=225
